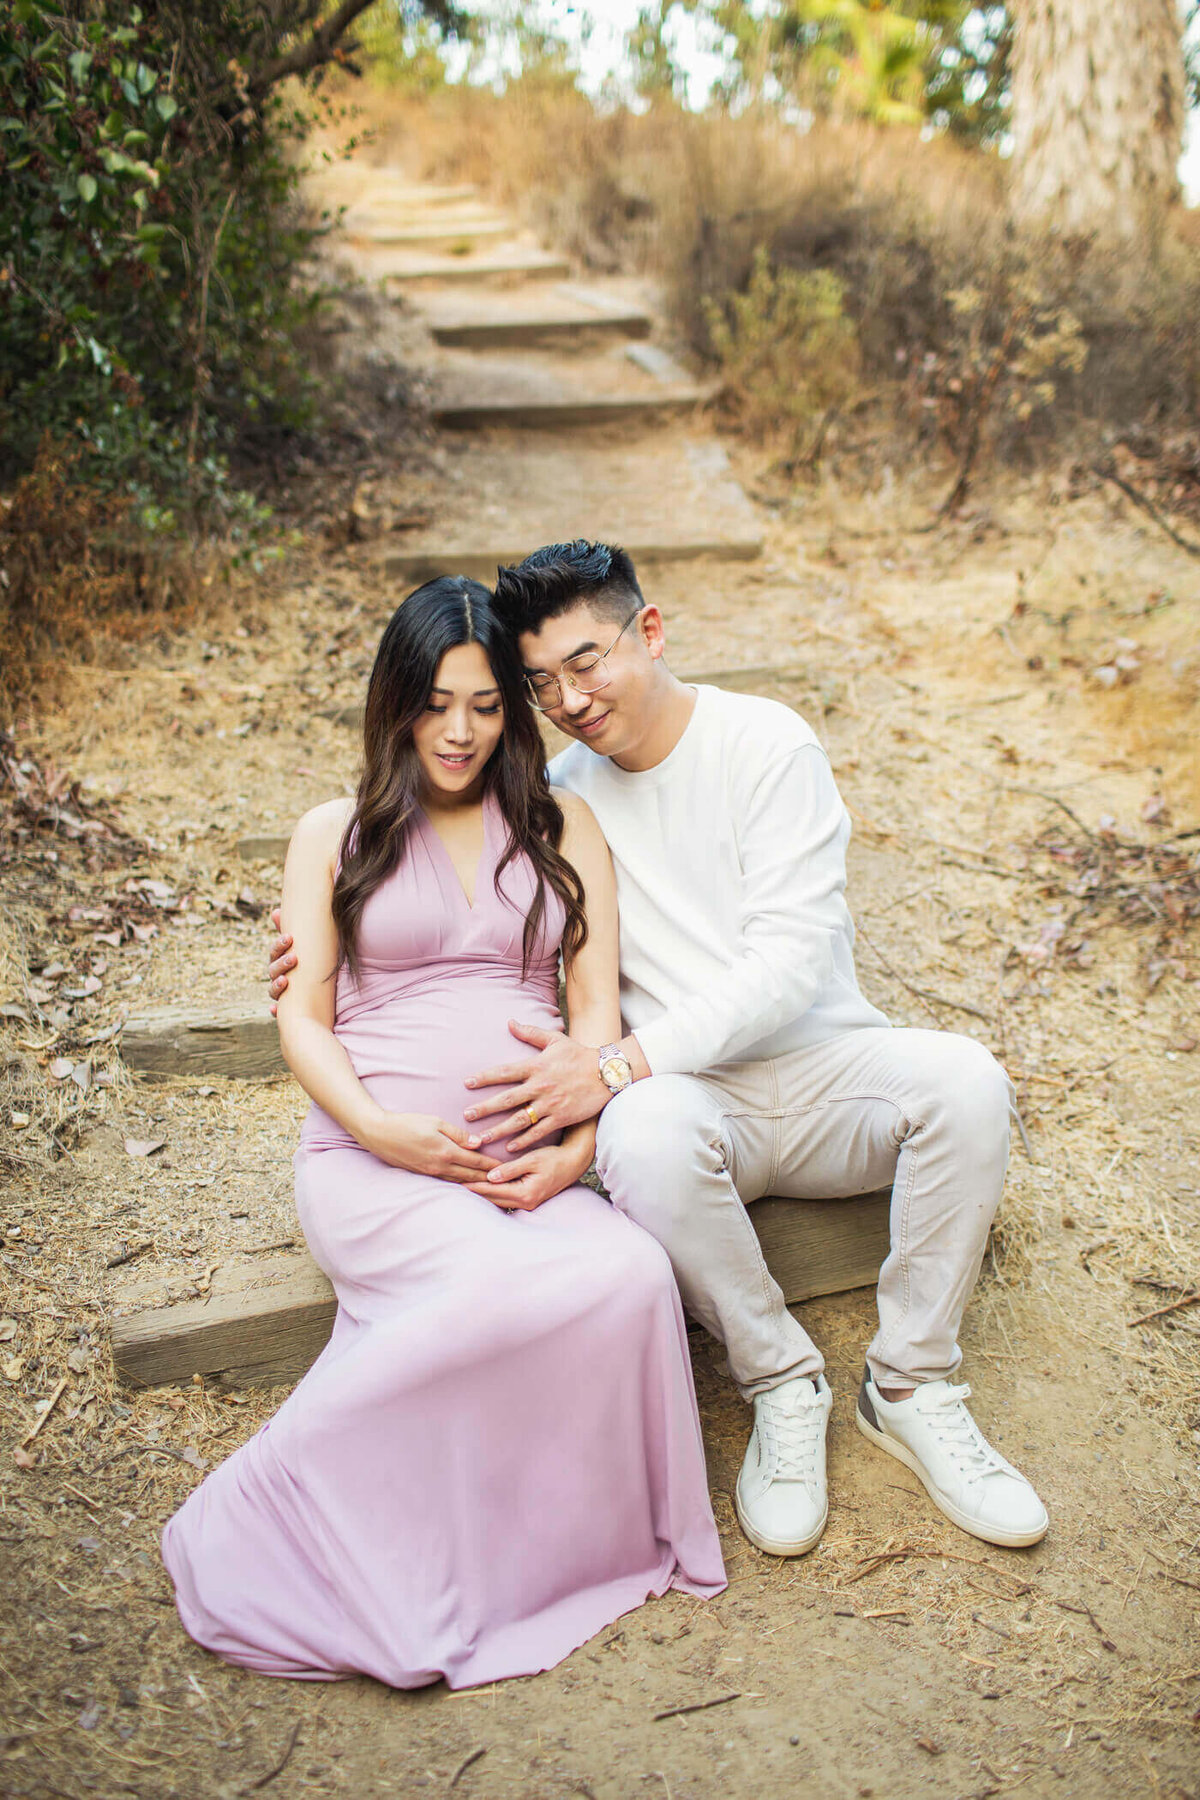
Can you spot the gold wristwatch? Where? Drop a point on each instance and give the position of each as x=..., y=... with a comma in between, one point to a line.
x=615, y=1071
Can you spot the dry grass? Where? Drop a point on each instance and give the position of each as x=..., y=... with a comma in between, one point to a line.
x=77, y=566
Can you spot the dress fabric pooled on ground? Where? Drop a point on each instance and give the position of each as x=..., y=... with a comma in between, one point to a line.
x=498, y=1453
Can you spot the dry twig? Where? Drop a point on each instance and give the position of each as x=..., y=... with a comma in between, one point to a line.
x=1158, y=1313
x=467, y=1763
x=281, y=1765
x=1107, y=473
x=53, y=1401
x=674, y=1712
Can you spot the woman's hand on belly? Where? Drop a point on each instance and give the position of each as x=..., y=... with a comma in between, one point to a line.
x=426, y=1146
x=535, y=1176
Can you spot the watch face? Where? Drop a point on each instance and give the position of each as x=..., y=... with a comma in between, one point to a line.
x=614, y=1072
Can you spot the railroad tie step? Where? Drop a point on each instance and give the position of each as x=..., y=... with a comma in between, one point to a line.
x=528, y=265
x=272, y=1322
x=600, y=409
x=227, y=1042
x=357, y=187
x=764, y=678
x=428, y=235
x=536, y=329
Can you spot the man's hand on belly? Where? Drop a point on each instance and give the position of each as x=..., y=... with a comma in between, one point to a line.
x=561, y=1085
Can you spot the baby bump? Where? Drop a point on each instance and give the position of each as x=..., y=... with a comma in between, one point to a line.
x=415, y=1055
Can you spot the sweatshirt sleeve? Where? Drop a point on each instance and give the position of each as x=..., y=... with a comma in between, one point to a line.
x=792, y=843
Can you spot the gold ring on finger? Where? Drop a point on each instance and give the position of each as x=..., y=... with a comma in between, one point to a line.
x=533, y=1118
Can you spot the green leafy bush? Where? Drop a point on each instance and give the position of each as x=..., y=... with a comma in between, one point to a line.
x=150, y=239
x=789, y=356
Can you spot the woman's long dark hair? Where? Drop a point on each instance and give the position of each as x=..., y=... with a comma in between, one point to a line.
x=443, y=614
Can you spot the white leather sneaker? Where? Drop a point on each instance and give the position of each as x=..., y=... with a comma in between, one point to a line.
x=780, y=1496
x=934, y=1435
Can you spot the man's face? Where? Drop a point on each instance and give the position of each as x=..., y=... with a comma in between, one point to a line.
x=616, y=716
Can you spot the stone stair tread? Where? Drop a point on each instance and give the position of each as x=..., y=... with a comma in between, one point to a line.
x=270, y=1322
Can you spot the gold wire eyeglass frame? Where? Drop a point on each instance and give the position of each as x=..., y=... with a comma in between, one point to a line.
x=574, y=676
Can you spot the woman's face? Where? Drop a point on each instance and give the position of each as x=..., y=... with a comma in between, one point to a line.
x=461, y=725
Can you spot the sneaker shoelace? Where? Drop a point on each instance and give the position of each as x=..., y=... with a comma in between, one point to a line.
x=957, y=1431
x=793, y=1438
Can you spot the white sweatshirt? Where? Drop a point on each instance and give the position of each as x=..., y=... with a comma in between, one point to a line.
x=730, y=855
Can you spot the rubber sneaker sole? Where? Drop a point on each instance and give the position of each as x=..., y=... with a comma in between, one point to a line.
x=777, y=1546
x=1008, y=1540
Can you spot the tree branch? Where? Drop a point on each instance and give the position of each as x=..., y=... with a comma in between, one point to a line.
x=317, y=50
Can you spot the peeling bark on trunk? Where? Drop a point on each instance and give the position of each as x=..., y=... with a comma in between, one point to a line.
x=1097, y=114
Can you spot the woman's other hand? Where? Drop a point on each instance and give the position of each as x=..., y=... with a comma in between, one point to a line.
x=426, y=1146
x=531, y=1179
x=279, y=961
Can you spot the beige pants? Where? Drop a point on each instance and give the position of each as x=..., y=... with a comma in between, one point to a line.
x=926, y=1111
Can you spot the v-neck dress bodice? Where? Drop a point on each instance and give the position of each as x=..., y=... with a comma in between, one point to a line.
x=498, y=1452
x=439, y=978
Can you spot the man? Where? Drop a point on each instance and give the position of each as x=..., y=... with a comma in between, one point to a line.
x=752, y=1064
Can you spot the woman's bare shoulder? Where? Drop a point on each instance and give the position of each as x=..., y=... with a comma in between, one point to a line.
x=575, y=811
x=322, y=827
x=582, y=836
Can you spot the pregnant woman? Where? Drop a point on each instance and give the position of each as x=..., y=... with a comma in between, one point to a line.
x=498, y=1452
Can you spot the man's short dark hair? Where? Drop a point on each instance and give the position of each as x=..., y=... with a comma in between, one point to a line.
x=560, y=576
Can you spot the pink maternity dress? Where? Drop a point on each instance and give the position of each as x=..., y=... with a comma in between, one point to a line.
x=498, y=1452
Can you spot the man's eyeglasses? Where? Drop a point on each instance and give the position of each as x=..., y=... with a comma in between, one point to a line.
x=585, y=673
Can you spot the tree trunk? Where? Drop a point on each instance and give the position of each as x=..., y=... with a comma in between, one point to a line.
x=1098, y=108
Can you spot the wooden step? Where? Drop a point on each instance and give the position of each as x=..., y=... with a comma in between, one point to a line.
x=269, y=847
x=355, y=187
x=739, y=681
x=416, y=565
x=427, y=235
x=276, y=1321
x=273, y=847
x=538, y=415
x=520, y=264
x=537, y=329
x=370, y=210
x=227, y=1042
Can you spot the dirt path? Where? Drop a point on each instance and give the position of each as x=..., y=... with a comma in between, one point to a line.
x=902, y=1658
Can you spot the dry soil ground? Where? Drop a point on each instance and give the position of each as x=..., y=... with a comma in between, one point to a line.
x=950, y=673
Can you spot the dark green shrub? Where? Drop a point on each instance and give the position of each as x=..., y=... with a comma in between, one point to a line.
x=150, y=241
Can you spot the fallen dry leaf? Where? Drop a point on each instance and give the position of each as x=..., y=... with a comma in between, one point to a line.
x=144, y=1146
x=23, y=1459
x=8, y=1330
x=61, y=1067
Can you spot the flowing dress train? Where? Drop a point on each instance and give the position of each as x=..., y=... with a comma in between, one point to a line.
x=498, y=1452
